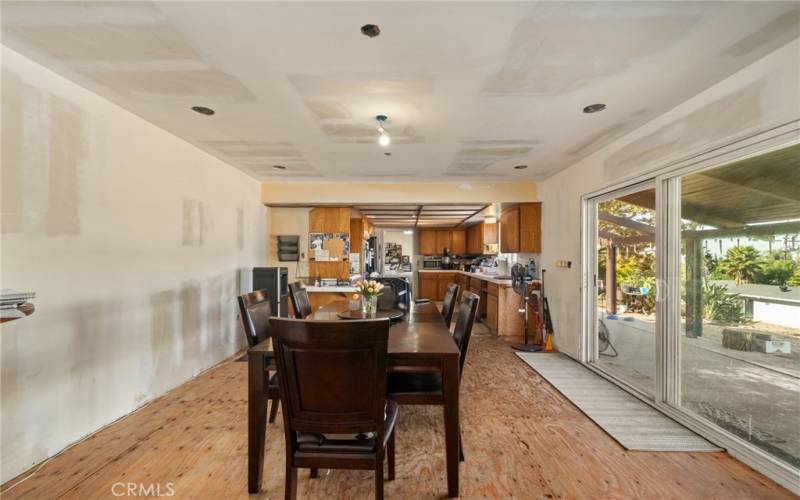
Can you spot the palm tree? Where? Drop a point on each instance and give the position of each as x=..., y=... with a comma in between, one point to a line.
x=741, y=263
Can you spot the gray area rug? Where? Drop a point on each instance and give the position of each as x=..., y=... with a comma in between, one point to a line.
x=631, y=422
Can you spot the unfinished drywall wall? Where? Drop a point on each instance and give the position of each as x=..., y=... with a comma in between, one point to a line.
x=288, y=221
x=133, y=240
x=761, y=96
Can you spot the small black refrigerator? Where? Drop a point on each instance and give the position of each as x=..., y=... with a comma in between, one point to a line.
x=275, y=280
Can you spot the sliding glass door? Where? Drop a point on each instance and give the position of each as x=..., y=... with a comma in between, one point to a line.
x=625, y=293
x=694, y=298
x=740, y=288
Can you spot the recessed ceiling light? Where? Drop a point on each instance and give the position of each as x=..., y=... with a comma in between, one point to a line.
x=203, y=110
x=387, y=154
x=520, y=167
x=279, y=167
x=370, y=30
x=594, y=108
x=383, y=139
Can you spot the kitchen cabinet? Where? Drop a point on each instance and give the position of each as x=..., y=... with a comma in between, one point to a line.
x=458, y=243
x=480, y=235
x=427, y=242
x=443, y=280
x=428, y=286
x=463, y=282
x=530, y=227
x=509, y=230
x=491, y=313
x=329, y=220
x=521, y=228
x=443, y=240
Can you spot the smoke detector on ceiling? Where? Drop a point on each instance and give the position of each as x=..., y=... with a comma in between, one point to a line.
x=370, y=30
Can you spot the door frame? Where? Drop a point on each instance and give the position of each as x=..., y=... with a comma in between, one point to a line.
x=667, y=391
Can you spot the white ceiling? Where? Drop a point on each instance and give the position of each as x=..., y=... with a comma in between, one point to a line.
x=471, y=89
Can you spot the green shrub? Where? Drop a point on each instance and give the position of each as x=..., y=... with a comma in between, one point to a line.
x=720, y=306
x=775, y=270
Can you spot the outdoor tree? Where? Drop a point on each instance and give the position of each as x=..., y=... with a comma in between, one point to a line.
x=741, y=264
x=775, y=269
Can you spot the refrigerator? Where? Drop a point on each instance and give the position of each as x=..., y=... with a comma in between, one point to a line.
x=275, y=280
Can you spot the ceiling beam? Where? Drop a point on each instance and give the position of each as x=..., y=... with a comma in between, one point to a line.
x=625, y=222
x=760, y=230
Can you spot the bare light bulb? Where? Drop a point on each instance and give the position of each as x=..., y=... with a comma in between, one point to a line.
x=384, y=140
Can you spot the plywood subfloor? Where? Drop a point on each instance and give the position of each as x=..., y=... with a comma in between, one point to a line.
x=522, y=439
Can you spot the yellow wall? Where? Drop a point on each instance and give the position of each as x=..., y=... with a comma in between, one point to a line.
x=353, y=193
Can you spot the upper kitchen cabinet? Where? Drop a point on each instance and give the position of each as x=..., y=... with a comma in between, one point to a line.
x=427, y=242
x=521, y=228
x=458, y=244
x=434, y=241
x=329, y=220
x=480, y=235
x=443, y=240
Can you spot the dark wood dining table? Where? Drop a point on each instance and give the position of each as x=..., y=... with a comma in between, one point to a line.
x=420, y=341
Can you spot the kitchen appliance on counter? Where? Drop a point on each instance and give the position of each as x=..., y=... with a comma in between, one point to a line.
x=431, y=262
x=447, y=262
x=275, y=280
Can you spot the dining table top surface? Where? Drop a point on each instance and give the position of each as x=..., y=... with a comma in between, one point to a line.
x=421, y=332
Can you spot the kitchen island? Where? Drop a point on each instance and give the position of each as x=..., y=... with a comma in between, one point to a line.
x=499, y=306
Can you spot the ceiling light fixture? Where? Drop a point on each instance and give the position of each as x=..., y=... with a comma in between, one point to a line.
x=387, y=154
x=384, y=139
x=203, y=110
x=594, y=108
x=279, y=167
x=520, y=167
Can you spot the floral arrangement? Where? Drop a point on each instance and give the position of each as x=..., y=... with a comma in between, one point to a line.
x=369, y=289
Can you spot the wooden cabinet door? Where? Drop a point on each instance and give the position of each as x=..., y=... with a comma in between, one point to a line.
x=491, y=312
x=443, y=240
x=428, y=287
x=530, y=227
x=459, y=241
x=475, y=239
x=509, y=230
x=489, y=233
x=427, y=242
x=444, y=280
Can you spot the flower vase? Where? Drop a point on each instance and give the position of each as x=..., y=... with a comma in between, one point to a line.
x=370, y=305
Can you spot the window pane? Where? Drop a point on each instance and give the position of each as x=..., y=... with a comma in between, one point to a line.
x=740, y=279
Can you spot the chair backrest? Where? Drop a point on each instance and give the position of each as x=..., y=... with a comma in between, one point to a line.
x=300, y=303
x=332, y=375
x=450, y=302
x=465, y=319
x=255, y=310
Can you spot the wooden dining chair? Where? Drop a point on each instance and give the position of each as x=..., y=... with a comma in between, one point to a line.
x=300, y=302
x=255, y=310
x=425, y=388
x=333, y=386
x=449, y=304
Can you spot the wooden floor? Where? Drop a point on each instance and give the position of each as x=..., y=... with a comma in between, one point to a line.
x=522, y=439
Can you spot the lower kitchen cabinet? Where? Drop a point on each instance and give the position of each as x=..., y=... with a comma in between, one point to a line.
x=491, y=313
x=428, y=286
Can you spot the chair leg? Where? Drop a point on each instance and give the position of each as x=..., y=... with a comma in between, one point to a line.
x=314, y=472
x=291, y=481
x=390, y=458
x=379, y=477
x=460, y=448
x=273, y=409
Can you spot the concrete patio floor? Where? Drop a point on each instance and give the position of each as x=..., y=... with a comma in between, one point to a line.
x=753, y=395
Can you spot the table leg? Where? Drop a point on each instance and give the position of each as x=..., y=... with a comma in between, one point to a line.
x=256, y=420
x=451, y=423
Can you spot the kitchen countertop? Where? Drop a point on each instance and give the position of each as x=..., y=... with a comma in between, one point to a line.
x=331, y=289
x=486, y=277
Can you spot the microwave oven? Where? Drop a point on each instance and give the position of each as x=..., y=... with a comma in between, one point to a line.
x=431, y=263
